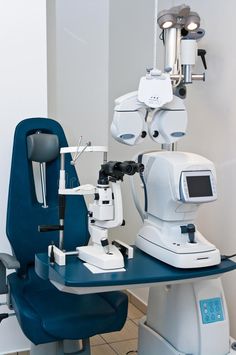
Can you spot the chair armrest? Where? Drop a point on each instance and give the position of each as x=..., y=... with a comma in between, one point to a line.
x=9, y=261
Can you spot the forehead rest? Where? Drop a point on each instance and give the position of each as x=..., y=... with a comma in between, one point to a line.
x=42, y=147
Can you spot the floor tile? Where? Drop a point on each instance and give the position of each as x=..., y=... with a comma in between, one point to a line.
x=102, y=350
x=129, y=331
x=133, y=312
x=136, y=321
x=122, y=347
x=138, y=303
x=97, y=340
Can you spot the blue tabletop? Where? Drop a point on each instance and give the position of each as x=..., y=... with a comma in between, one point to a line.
x=142, y=269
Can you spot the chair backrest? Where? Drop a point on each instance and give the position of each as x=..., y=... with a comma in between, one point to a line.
x=25, y=213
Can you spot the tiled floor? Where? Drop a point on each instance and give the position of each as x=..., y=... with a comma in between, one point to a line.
x=117, y=343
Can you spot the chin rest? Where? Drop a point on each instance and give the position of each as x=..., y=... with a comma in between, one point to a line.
x=44, y=313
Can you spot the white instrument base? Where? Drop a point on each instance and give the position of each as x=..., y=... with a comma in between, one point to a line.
x=174, y=249
x=152, y=343
x=96, y=255
x=187, y=318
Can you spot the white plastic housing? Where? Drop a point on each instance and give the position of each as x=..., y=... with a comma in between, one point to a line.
x=188, y=51
x=102, y=209
x=101, y=213
x=170, y=122
x=117, y=206
x=95, y=255
x=174, y=313
x=127, y=127
x=164, y=241
x=97, y=234
x=155, y=91
x=129, y=122
x=167, y=211
x=59, y=255
x=162, y=176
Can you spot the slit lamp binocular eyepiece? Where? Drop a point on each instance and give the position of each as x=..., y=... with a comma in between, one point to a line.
x=116, y=170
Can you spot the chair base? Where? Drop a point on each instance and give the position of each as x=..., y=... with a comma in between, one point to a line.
x=65, y=347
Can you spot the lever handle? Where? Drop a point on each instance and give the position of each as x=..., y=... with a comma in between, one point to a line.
x=202, y=53
x=190, y=229
x=3, y=316
x=50, y=228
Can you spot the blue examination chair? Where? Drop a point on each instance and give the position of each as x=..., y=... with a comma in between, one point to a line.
x=47, y=316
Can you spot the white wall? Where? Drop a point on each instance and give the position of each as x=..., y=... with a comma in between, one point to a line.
x=23, y=92
x=78, y=33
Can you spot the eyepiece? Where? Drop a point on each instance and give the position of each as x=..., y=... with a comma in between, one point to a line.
x=116, y=170
x=130, y=167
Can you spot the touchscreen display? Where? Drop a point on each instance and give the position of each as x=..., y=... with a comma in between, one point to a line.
x=199, y=186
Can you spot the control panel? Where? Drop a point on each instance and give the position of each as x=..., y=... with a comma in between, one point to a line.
x=211, y=310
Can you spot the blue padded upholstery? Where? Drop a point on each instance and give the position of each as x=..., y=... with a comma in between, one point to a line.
x=25, y=213
x=44, y=313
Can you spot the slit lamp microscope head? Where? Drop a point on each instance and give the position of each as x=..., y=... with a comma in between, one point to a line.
x=106, y=212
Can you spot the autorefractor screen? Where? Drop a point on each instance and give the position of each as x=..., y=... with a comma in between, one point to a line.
x=199, y=186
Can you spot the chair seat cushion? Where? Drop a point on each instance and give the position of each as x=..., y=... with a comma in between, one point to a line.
x=46, y=314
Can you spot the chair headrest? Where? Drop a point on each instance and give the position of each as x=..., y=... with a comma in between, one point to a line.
x=42, y=147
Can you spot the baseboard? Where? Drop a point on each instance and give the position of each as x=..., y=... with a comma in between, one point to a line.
x=136, y=301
